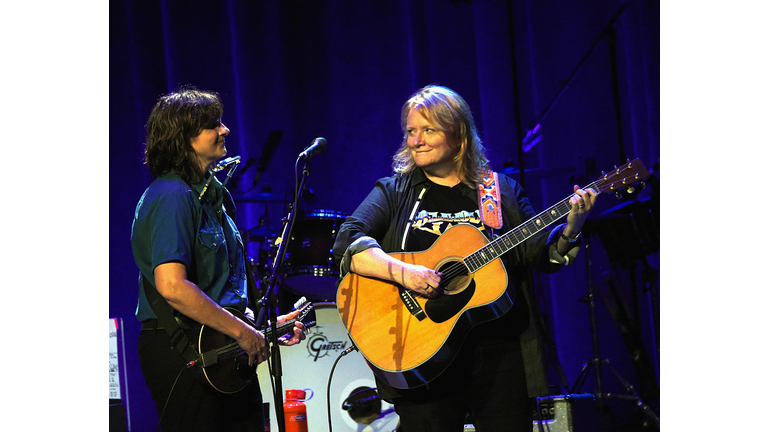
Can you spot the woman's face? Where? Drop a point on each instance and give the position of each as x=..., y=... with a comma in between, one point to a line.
x=209, y=145
x=429, y=145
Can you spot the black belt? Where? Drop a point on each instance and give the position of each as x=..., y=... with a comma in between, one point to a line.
x=184, y=322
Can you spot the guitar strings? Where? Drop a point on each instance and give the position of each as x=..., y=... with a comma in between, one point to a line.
x=228, y=349
x=459, y=267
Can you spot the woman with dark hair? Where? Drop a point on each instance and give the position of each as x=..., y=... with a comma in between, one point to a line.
x=190, y=252
x=438, y=169
x=176, y=120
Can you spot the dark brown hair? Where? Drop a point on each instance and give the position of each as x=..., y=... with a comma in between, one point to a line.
x=175, y=120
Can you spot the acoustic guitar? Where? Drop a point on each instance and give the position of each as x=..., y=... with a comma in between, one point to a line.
x=408, y=339
x=225, y=364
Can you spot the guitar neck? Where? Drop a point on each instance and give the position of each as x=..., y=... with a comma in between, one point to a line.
x=518, y=235
x=282, y=329
x=633, y=171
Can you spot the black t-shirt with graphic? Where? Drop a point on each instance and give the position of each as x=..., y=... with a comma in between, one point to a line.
x=441, y=208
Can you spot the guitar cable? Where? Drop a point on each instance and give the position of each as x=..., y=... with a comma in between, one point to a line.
x=186, y=366
x=330, y=378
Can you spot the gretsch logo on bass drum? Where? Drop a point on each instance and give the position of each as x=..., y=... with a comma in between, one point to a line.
x=319, y=346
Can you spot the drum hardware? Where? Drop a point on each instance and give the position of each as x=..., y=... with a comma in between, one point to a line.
x=256, y=234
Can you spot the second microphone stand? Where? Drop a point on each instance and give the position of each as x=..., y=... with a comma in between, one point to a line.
x=597, y=362
x=269, y=301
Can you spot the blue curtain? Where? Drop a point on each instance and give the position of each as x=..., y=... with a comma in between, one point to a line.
x=288, y=71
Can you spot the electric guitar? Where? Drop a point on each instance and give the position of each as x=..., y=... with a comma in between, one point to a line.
x=225, y=364
x=408, y=339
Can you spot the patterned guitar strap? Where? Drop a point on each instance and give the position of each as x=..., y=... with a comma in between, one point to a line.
x=489, y=200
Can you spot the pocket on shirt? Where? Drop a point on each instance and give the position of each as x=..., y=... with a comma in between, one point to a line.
x=211, y=238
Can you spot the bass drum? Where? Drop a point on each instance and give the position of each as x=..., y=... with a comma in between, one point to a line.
x=307, y=366
x=310, y=270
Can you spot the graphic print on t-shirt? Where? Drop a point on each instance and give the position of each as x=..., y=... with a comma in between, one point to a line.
x=441, y=208
x=437, y=223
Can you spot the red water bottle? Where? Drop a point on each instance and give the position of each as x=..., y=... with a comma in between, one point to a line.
x=295, y=411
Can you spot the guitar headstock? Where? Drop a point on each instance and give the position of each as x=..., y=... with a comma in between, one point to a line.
x=305, y=310
x=300, y=303
x=622, y=177
x=304, y=316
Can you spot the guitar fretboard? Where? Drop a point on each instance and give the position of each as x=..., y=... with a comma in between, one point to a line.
x=632, y=171
x=520, y=234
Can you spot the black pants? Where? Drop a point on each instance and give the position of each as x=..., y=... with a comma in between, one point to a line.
x=486, y=380
x=193, y=405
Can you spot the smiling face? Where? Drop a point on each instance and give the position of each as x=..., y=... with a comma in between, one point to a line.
x=210, y=146
x=430, y=146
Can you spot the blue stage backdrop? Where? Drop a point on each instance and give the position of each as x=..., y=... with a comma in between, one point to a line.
x=585, y=71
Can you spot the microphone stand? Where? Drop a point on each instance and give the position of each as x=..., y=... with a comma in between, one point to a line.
x=269, y=301
x=597, y=362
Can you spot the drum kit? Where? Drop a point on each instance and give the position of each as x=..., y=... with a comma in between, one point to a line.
x=340, y=387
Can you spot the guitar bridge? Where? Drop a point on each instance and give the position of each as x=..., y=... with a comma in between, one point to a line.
x=412, y=305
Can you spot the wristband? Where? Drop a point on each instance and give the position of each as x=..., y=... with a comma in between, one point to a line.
x=571, y=240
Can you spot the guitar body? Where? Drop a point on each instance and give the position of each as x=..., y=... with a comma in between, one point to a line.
x=225, y=365
x=230, y=373
x=407, y=352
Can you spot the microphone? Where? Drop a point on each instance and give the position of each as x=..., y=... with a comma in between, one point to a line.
x=318, y=146
x=226, y=162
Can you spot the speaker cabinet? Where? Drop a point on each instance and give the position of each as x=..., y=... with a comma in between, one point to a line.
x=566, y=413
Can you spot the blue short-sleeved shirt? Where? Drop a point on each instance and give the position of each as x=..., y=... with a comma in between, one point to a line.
x=172, y=225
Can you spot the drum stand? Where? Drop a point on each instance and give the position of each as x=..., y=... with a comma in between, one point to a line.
x=269, y=306
x=596, y=362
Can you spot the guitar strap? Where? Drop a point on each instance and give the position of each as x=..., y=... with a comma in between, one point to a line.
x=167, y=320
x=489, y=200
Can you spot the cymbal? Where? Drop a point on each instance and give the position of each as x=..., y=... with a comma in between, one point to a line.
x=259, y=230
x=257, y=234
x=262, y=197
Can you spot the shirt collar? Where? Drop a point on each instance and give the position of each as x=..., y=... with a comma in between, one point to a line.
x=418, y=177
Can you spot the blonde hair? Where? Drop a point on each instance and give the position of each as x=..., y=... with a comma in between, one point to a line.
x=452, y=114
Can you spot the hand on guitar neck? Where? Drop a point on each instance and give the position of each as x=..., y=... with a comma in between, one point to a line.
x=261, y=344
x=582, y=203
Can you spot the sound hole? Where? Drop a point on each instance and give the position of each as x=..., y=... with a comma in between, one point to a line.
x=455, y=277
